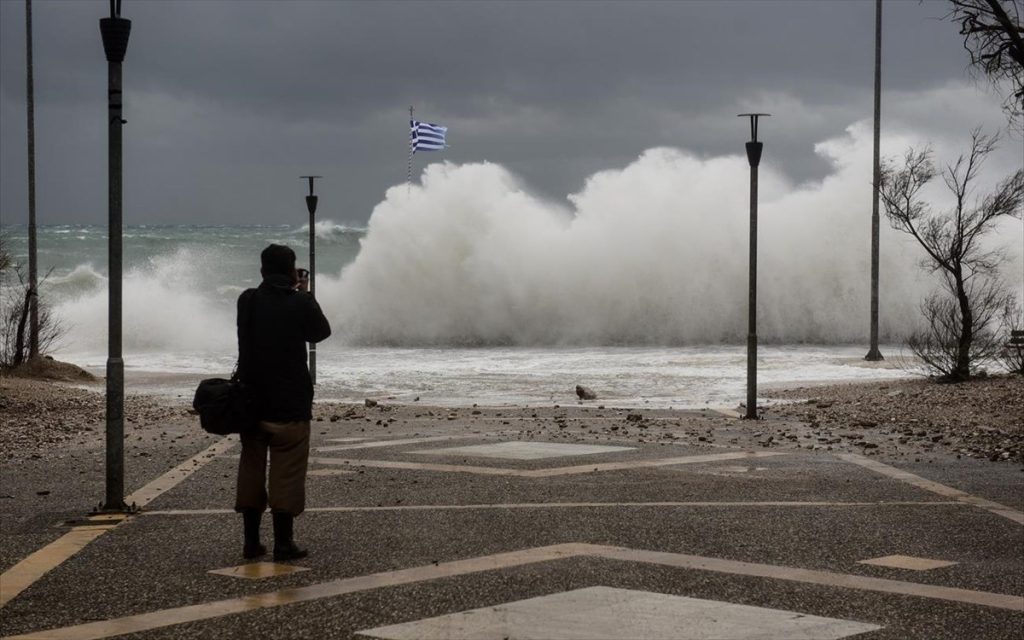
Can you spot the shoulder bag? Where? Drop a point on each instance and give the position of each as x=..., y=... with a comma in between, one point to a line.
x=228, y=405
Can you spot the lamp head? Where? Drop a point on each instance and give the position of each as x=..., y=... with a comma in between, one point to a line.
x=311, y=179
x=753, y=123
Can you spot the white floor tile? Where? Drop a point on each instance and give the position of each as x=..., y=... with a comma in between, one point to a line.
x=604, y=613
x=524, y=450
x=908, y=562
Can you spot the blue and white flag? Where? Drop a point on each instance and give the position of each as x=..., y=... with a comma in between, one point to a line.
x=424, y=136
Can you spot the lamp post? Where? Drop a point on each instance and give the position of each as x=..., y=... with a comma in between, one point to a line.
x=115, y=31
x=311, y=201
x=874, y=354
x=30, y=110
x=754, y=158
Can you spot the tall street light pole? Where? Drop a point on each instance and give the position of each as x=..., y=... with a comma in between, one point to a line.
x=311, y=201
x=873, y=353
x=33, y=273
x=115, y=31
x=754, y=158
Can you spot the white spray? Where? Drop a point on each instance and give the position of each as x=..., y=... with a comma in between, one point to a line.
x=651, y=254
x=655, y=253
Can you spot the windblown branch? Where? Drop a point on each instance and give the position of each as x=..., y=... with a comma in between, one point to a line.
x=994, y=40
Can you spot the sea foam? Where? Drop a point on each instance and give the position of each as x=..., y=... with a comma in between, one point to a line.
x=653, y=253
x=167, y=307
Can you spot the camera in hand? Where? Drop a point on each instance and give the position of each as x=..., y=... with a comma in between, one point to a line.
x=303, y=279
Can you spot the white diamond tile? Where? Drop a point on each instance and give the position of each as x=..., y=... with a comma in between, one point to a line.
x=908, y=562
x=524, y=450
x=604, y=613
x=258, y=570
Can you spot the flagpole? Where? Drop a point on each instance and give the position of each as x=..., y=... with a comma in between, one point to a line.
x=408, y=177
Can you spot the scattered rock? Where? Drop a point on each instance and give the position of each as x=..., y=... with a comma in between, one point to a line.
x=585, y=393
x=979, y=418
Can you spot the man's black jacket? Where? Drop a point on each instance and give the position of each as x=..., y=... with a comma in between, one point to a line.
x=274, y=324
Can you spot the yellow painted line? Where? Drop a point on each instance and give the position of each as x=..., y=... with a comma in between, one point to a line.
x=173, y=478
x=22, y=575
x=330, y=472
x=168, y=617
x=637, y=464
x=259, y=570
x=569, y=505
x=811, y=576
x=605, y=505
x=934, y=487
x=392, y=443
x=419, y=466
x=909, y=563
x=94, y=527
x=220, y=608
x=546, y=473
x=107, y=517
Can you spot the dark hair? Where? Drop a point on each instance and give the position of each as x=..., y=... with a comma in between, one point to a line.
x=277, y=259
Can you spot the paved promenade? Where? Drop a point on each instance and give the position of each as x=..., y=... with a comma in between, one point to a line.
x=488, y=526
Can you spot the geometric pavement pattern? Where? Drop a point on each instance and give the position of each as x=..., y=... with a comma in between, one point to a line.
x=32, y=568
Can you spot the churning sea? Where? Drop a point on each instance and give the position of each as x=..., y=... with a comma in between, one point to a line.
x=181, y=283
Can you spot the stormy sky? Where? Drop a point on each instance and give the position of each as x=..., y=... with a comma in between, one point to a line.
x=229, y=102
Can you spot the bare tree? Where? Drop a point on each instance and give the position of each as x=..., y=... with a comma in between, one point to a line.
x=994, y=39
x=960, y=322
x=16, y=297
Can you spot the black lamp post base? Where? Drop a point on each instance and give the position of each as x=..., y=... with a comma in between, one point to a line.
x=874, y=355
x=104, y=509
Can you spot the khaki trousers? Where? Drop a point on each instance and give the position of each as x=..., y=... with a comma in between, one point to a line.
x=288, y=443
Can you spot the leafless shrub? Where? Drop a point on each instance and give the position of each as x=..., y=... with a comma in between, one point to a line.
x=15, y=298
x=937, y=345
x=1012, y=355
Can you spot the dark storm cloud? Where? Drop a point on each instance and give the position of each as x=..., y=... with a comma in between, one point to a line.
x=228, y=102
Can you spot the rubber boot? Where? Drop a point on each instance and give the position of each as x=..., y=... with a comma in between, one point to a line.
x=251, y=527
x=284, y=545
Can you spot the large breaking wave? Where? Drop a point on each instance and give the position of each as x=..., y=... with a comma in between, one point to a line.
x=654, y=253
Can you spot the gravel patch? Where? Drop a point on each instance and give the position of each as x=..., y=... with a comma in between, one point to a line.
x=40, y=415
x=982, y=418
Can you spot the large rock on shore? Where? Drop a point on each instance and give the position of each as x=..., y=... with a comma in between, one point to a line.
x=585, y=393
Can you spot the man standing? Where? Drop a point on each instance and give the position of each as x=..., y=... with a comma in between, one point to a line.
x=275, y=321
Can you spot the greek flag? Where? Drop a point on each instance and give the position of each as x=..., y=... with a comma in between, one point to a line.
x=424, y=136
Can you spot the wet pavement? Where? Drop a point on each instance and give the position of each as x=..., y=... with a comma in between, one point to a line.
x=412, y=525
